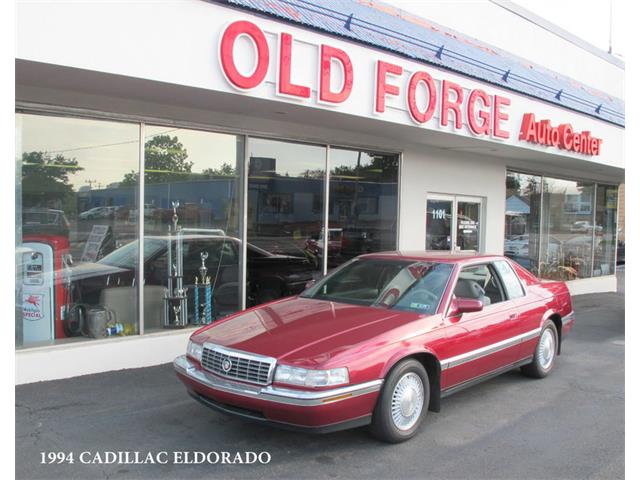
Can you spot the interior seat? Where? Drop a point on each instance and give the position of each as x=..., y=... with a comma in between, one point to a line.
x=466, y=288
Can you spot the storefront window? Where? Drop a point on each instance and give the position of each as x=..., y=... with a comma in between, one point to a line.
x=522, y=219
x=192, y=239
x=284, y=218
x=74, y=209
x=363, y=202
x=567, y=229
x=604, y=255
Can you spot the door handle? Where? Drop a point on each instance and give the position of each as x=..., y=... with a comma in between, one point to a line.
x=513, y=316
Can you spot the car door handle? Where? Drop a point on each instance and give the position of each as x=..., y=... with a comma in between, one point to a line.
x=513, y=316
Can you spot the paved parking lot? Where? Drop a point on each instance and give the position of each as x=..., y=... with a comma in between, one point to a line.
x=569, y=425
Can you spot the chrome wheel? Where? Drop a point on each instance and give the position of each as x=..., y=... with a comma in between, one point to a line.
x=407, y=401
x=546, y=349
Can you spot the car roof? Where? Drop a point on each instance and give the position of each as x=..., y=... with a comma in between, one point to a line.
x=432, y=256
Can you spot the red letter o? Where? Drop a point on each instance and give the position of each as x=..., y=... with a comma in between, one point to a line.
x=228, y=40
x=416, y=114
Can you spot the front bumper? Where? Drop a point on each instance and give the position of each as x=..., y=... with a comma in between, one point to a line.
x=319, y=411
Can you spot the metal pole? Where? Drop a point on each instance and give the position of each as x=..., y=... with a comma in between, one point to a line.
x=610, y=26
x=540, y=225
x=594, y=205
x=399, y=199
x=325, y=220
x=140, y=273
x=244, y=195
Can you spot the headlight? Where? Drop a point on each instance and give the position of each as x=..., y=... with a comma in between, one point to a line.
x=311, y=378
x=194, y=350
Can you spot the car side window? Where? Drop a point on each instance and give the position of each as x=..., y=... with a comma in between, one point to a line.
x=510, y=280
x=481, y=283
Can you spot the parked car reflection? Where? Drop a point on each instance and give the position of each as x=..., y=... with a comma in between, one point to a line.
x=45, y=221
x=272, y=276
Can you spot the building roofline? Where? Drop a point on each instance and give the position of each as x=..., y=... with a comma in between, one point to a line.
x=382, y=26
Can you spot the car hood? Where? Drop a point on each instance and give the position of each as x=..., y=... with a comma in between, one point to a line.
x=303, y=331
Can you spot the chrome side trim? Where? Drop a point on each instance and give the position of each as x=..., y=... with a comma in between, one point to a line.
x=489, y=349
x=303, y=398
x=568, y=318
x=474, y=381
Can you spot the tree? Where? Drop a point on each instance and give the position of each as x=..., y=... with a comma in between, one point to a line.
x=225, y=170
x=45, y=180
x=165, y=160
x=318, y=174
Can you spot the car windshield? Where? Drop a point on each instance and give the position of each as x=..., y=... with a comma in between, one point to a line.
x=401, y=285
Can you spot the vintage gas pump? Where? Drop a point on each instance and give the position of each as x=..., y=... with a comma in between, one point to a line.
x=45, y=286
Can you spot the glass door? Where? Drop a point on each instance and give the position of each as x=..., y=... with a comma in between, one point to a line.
x=468, y=224
x=439, y=222
x=454, y=223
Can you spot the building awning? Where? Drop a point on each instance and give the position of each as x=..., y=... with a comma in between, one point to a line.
x=389, y=28
x=516, y=206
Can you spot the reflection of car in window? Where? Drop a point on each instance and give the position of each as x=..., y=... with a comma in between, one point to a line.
x=97, y=212
x=45, y=220
x=271, y=276
x=583, y=226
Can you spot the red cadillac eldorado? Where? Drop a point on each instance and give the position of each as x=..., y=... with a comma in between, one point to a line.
x=379, y=342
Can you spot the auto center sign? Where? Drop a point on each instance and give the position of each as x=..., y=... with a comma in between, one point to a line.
x=562, y=136
x=427, y=99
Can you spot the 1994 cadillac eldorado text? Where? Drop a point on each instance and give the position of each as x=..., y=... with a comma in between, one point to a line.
x=379, y=342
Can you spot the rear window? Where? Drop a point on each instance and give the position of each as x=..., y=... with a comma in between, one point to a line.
x=510, y=280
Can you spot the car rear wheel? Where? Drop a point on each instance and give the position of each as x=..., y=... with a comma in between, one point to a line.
x=544, y=357
x=402, y=404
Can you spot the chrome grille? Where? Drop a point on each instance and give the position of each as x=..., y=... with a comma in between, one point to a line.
x=246, y=367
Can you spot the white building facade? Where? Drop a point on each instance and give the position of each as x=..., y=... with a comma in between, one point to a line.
x=251, y=153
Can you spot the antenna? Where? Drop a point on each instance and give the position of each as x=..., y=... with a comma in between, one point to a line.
x=610, y=25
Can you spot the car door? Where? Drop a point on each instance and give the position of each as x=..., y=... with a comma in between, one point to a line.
x=485, y=341
x=529, y=308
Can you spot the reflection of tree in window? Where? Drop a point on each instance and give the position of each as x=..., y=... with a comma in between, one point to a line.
x=45, y=180
x=165, y=160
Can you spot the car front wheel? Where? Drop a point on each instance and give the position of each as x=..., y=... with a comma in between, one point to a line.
x=544, y=357
x=402, y=404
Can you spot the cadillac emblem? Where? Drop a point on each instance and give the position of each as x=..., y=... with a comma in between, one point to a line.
x=226, y=365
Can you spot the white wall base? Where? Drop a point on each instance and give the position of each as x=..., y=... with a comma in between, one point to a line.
x=93, y=356
x=581, y=286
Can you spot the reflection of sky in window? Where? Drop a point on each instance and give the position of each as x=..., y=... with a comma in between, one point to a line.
x=349, y=158
x=205, y=149
x=291, y=158
x=567, y=187
x=105, y=150
x=108, y=150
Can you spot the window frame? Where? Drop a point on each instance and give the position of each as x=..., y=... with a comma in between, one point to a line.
x=501, y=279
x=492, y=271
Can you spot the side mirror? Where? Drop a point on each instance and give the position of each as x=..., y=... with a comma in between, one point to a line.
x=464, y=305
x=309, y=284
